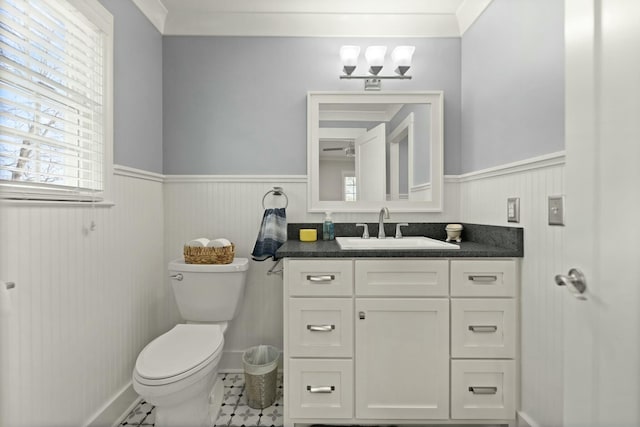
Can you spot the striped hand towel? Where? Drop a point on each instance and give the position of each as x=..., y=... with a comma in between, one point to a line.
x=272, y=234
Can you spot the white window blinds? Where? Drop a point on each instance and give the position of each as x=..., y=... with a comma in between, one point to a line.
x=53, y=68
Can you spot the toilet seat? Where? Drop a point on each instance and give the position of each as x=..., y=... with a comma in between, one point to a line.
x=178, y=354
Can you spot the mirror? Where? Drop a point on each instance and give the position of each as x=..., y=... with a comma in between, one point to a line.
x=367, y=150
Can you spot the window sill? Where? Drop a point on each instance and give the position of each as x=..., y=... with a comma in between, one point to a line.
x=56, y=203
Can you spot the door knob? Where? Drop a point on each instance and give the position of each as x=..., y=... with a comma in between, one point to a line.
x=575, y=282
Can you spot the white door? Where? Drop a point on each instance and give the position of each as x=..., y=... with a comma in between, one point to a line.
x=371, y=177
x=602, y=332
x=402, y=358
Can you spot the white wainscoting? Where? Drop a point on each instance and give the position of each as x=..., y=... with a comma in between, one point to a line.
x=484, y=201
x=231, y=207
x=85, y=302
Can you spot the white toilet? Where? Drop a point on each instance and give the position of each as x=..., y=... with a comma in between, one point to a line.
x=176, y=372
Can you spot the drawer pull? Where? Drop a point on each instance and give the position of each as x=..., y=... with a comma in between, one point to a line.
x=483, y=279
x=321, y=279
x=483, y=328
x=483, y=390
x=320, y=389
x=321, y=328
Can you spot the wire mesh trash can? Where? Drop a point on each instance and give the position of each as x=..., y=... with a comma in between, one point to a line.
x=261, y=375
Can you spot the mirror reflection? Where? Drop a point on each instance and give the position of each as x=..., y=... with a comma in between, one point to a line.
x=366, y=150
x=359, y=141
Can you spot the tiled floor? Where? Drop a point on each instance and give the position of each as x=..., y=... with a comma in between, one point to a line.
x=235, y=411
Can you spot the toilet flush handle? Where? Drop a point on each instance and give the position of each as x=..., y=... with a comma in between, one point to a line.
x=177, y=277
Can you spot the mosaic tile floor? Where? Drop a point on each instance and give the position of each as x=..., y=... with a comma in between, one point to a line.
x=235, y=411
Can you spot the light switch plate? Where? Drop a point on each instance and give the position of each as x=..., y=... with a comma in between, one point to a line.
x=556, y=210
x=513, y=209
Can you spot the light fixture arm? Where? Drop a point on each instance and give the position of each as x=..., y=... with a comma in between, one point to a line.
x=376, y=77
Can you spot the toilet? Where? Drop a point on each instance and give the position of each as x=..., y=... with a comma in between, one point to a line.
x=178, y=371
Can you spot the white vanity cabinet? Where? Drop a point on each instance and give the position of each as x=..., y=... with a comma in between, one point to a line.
x=483, y=338
x=388, y=340
x=401, y=339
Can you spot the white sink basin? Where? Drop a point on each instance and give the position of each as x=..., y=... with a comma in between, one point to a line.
x=410, y=242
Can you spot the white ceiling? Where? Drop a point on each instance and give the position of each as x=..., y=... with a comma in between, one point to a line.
x=309, y=18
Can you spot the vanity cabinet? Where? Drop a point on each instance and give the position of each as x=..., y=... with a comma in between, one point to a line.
x=384, y=340
x=483, y=338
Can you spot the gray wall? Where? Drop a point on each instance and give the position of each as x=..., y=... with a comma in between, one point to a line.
x=513, y=83
x=237, y=105
x=137, y=88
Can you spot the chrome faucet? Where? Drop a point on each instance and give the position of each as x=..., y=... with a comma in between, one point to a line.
x=384, y=213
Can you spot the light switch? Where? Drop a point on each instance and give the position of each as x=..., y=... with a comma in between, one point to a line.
x=556, y=210
x=513, y=209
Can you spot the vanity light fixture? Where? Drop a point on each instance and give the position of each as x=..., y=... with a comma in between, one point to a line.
x=349, y=57
x=375, y=55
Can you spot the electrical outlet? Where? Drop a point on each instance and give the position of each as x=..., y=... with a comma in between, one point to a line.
x=513, y=209
x=556, y=210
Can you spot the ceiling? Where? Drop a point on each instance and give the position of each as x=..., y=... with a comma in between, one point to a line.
x=313, y=18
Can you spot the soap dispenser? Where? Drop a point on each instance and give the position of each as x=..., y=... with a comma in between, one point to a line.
x=328, y=232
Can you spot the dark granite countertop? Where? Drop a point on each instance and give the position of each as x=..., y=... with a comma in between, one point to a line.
x=483, y=241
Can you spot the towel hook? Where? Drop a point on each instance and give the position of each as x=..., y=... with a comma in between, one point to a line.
x=276, y=191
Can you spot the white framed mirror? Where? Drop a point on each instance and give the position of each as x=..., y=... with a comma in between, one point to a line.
x=367, y=150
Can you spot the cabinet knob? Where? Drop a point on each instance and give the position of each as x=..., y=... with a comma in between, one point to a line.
x=361, y=315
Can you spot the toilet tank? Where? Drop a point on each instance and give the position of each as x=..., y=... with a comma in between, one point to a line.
x=208, y=292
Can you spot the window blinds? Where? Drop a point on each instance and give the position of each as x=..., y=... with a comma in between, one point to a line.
x=52, y=62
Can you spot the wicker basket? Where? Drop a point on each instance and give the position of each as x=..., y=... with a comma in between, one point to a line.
x=206, y=255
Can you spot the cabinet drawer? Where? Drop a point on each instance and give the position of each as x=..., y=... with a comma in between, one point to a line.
x=320, y=388
x=483, y=328
x=483, y=389
x=402, y=278
x=483, y=278
x=320, y=327
x=326, y=277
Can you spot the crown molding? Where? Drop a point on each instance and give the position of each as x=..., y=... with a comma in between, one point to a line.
x=319, y=18
x=468, y=12
x=155, y=11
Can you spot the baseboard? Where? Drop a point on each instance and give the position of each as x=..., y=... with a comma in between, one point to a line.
x=113, y=413
x=525, y=420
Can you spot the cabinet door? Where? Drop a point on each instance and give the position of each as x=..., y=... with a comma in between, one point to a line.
x=320, y=388
x=319, y=277
x=320, y=327
x=402, y=358
x=483, y=389
x=483, y=278
x=483, y=328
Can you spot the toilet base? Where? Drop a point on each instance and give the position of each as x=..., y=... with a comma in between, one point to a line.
x=199, y=411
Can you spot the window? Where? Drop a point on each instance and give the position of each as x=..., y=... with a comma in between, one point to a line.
x=55, y=99
x=350, y=188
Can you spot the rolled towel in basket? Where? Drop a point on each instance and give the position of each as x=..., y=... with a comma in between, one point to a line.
x=198, y=243
x=218, y=243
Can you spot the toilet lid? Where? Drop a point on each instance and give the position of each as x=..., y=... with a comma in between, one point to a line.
x=180, y=350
